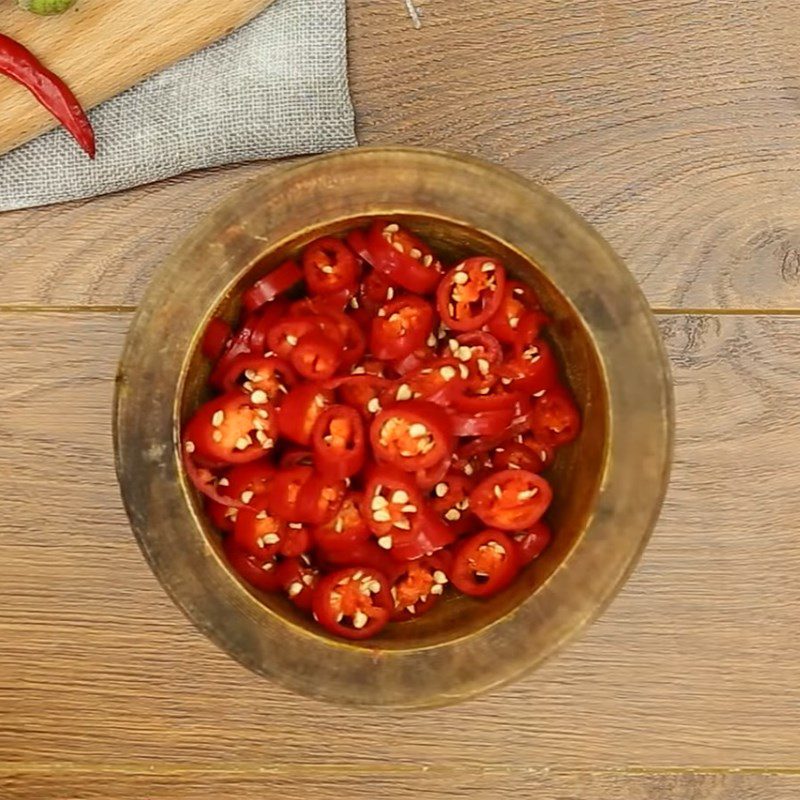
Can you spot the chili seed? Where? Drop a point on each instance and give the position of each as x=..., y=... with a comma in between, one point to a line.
x=374, y=406
x=452, y=515
x=294, y=589
x=403, y=392
x=261, y=514
x=291, y=339
x=391, y=228
x=498, y=491
x=483, y=366
x=272, y=538
x=259, y=396
x=440, y=490
x=437, y=588
x=427, y=260
x=415, y=431
x=403, y=525
x=400, y=496
x=217, y=436
x=439, y=576
x=218, y=418
x=385, y=542
x=409, y=509
x=379, y=502
x=381, y=515
x=513, y=322
x=390, y=293
x=189, y=447
x=487, y=267
x=224, y=482
x=540, y=393
x=397, y=246
x=326, y=268
x=360, y=619
x=447, y=372
x=243, y=442
x=247, y=496
x=460, y=278
x=463, y=353
x=527, y=494
x=307, y=579
x=415, y=253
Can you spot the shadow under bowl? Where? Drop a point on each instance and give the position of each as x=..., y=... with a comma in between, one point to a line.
x=608, y=484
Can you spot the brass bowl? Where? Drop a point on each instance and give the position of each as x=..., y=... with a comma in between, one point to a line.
x=609, y=484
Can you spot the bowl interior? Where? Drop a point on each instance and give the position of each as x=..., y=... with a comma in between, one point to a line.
x=576, y=474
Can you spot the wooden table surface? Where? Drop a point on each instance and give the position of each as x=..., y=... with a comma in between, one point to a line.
x=673, y=127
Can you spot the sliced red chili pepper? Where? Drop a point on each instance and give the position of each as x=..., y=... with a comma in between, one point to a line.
x=413, y=361
x=345, y=529
x=19, y=64
x=263, y=379
x=261, y=322
x=300, y=409
x=518, y=316
x=359, y=554
x=533, y=369
x=354, y=343
x=556, y=419
x=412, y=435
x=404, y=259
x=319, y=499
x=516, y=455
x=285, y=335
x=337, y=439
x=485, y=563
x=440, y=381
x=222, y=517
x=258, y=572
x=329, y=266
x=482, y=423
x=400, y=327
x=532, y=542
x=215, y=338
x=354, y=603
x=244, y=482
x=428, y=535
x=362, y=392
x=273, y=284
x=375, y=290
x=451, y=501
x=480, y=353
x=284, y=490
x=427, y=478
x=295, y=540
x=391, y=501
x=357, y=241
x=418, y=587
x=316, y=357
x=299, y=578
x=470, y=294
x=231, y=429
x=257, y=531
x=203, y=479
x=511, y=499
x=498, y=397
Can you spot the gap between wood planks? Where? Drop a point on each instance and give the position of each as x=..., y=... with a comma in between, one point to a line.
x=348, y=770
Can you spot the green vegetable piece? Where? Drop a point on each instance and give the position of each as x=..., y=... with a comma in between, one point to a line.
x=46, y=7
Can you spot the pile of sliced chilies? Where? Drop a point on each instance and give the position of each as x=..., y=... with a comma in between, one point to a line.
x=381, y=435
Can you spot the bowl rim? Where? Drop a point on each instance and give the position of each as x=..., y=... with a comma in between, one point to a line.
x=152, y=370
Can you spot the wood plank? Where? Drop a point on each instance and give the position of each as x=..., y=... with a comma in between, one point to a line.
x=670, y=126
x=102, y=47
x=463, y=784
x=694, y=664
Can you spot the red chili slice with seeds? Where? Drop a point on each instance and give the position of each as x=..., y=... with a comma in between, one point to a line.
x=512, y=499
x=329, y=266
x=231, y=429
x=354, y=603
x=418, y=587
x=470, y=294
x=404, y=259
x=413, y=435
x=485, y=563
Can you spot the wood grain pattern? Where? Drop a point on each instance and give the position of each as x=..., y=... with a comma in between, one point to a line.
x=409, y=784
x=101, y=47
x=695, y=664
x=670, y=126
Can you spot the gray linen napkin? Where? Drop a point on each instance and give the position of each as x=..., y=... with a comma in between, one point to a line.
x=276, y=87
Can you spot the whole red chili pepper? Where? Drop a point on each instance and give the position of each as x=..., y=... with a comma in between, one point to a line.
x=19, y=64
